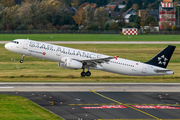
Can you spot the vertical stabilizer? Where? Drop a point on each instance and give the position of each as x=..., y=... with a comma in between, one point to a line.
x=162, y=59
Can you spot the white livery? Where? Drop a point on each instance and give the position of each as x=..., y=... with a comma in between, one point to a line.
x=70, y=58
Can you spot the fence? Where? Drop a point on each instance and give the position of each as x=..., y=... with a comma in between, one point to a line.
x=84, y=32
x=61, y=32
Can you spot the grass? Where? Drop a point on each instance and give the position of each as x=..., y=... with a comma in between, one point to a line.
x=38, y=70
x=19, y=108
x=89, y=37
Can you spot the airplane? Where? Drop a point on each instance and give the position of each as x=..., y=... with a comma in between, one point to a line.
x=70, y=58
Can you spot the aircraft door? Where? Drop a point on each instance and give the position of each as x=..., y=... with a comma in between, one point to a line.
x=144, y=69
x=25, y=44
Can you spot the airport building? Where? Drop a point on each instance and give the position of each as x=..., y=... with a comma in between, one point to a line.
x=167, y=14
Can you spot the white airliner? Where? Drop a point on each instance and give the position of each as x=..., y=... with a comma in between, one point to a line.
x=70, y=58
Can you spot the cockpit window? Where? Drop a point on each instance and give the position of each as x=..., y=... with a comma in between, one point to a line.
x=15, y=42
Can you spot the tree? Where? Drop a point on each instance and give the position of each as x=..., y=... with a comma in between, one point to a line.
x=93, y=26
x=107, y=24
x=145, y=4
x=101, y=2
x=79, y=16
x=140, y=4
x=129, y=4
x=113, y=26
x=76, y=2
x=116, y=9
x=67, y=2
x=174, y=28
x=150, y=6
x=150, y=19
x=89, y=13
x=132, y=18
x=17, y=1
x=143, y=15
x=156, y=5
x=152, y=24
x=101, y=15
x=24, y=13
x=9, y=17
x=165, y=25
x=7, y=3
x=135, y=7
x=137, y=21
x=120, y=20
x=123, y=2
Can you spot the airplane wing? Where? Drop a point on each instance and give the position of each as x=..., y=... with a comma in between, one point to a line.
x=94, y=62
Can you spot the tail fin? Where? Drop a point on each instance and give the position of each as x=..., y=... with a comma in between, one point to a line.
x=162, y=59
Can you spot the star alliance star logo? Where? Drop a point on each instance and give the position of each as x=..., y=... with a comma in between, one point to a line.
x=162, y=60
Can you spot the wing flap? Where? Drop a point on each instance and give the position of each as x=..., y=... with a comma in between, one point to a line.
x=94, y=62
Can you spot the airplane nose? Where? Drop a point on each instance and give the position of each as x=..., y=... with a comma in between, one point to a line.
x=6, y=46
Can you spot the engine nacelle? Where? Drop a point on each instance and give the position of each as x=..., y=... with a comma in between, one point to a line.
x=70, y=64
x=63, y=65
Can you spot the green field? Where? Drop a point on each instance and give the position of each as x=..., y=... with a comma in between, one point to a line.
x=89, y=37
x=34, y=69
x=19, y=108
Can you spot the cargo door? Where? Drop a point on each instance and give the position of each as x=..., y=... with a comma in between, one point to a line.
x=144, y=69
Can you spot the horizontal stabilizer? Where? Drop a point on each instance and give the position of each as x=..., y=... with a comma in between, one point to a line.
x=164, y=71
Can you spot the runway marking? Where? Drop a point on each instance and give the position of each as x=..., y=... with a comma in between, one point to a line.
x=138, y=119
x=127, y=105
x=6, y=87
x=105, y=107
x=154, y=107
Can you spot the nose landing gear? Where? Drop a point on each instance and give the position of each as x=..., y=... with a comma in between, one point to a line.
x=21, y=61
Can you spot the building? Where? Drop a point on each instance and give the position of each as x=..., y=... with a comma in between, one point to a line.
x=110, y=7
x=149, y=12
x=128, y=13
x=166, y=14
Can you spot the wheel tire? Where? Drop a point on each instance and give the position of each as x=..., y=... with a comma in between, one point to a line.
x=88, y=73
x=21, y=61
x=83, y=74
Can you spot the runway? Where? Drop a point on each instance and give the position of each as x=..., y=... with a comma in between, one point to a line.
x=102, y=101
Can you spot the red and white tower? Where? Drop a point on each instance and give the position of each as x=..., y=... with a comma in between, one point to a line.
x=167, y=14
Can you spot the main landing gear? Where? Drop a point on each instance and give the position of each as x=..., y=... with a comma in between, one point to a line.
x=88, y=73
x=21, y=61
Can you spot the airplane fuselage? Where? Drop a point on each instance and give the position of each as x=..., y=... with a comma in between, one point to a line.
x=58, y=53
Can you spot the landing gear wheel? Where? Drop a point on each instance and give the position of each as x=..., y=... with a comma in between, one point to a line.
x=83, y=74
x=88, y=73
x=21, y=61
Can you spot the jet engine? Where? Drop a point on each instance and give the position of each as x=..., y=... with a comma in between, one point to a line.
x=70, y=64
